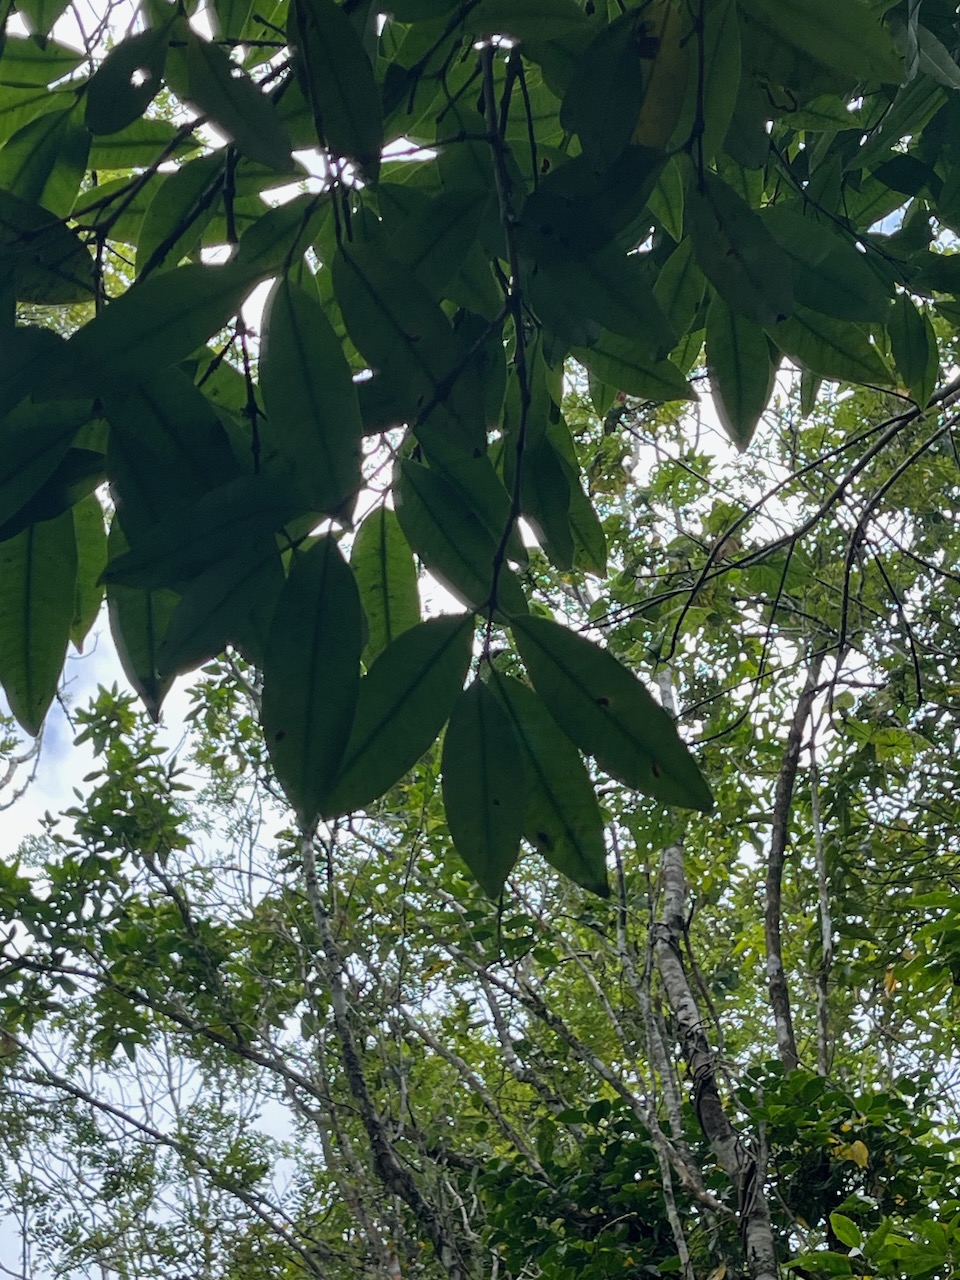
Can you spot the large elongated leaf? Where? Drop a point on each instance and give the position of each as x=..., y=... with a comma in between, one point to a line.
x=738, y=254
x=625, y=364
x=604, y=97
x=607, y=712
x=915, y=351
x=403, y=704
x=483, y=787
x=43, y=260
x=846, y=37
x=339, y=81
x=45, y=160
x=386, y=575
x=179, y=212
x=38, y=573
x=167, y=448
x=91, y=538
x=741, y=371
x=311, y=402
x=407, y=339
x=680, y=285
x=25, y=62
x=452, y=541
x=217, y=87
x=311, y=676
x=153, y=324
x=831, y=348
x=189, y=540
x=138, y=623
x=562, y=818
x=33, y=440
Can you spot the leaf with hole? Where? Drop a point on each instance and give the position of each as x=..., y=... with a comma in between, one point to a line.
x=126, y=82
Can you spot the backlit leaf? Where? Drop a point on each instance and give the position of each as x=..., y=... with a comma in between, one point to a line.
x=311, y=402
x=386, y=575
x=483, y=790
x=831, y=348
x=740, y=368
x=607, y=712
x=38, y=574
x=403, y=703
x=311, y=676
x=138, y=623
x=562, y=818
x=915, y=351
x=91, y=537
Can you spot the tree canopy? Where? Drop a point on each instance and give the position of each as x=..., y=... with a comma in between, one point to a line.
x=353, y=310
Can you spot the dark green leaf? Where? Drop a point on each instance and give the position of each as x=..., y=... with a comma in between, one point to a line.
x=311, y=676
x=386, y=575
x=404, y=701
x=77, y=474
x=218, y=88
x=38, y=575
x=177, y=215
x=91, y=537
x=313, y=419
x=151, y=325
x=845, y=37
x=140, y=145
x=528, y=19
x=680, y=285
x=138, y=622
x=915, y=350
x=604, y=98
x=712, y=95
x=233, y=602
x=338, y=81
x=483, y=790
x=25, y=62
x=607, y=712
x=562, y=819
x=740, y=368
x=452, y=541
x=738, y=254
x=126, y=82
x=624, y=364
x=831, y=348
x=33, y=440
x=44, y=261
x=167, y=448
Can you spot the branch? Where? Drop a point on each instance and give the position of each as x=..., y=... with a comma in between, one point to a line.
x=779, y=837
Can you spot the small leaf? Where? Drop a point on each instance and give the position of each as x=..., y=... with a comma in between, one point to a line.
x=452, y=541
x=846, y=1230
x=311, y=676
x=914, y=344
x=741, y=371
x=607, y=712
x=91, y=536
x=338, y=81
x=126, y=82
x=845, y=37
x=386, y=575
x=138, y=623
x=737, y=253
x=38, y=575
x=313, y=418
x=562, y=818
x=403, y=704
x=483, y=789
x=219, y=89
x=41, y=14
